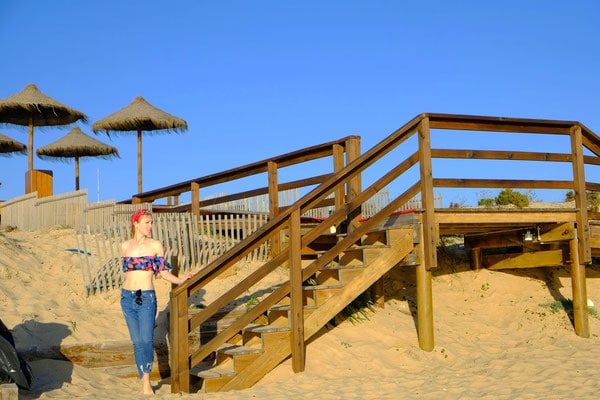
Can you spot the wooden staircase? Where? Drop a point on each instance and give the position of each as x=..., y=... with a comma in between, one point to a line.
x=262, y=345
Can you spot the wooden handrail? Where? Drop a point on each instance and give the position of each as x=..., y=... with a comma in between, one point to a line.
x=259, y=167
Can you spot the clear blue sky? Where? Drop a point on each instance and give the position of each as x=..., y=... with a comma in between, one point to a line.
x=255, y=79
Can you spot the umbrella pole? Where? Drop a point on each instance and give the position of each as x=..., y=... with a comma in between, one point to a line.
x=30, y=148
x=76, y=173
x=139, y=143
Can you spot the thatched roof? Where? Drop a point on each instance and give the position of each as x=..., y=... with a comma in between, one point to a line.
x=19, y=108
x=77, y=144
x=139, y=115
x=10, y=146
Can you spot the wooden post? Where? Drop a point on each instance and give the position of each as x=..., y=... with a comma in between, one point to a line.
x=583, y=226
x=274, y=205
x=139, y=161
x=195, y=189
x=424, y=302
x=30, y=147
x=429, y=230
x=580, y=310
x=296, y=303
x=178, y=334
x=76, y=173
x=476, y=258
x=355, y=184
x=338, y=164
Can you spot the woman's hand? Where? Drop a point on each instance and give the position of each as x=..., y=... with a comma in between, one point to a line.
x=186, y=277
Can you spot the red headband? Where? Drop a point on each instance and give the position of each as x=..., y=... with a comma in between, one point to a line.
x=136, y=216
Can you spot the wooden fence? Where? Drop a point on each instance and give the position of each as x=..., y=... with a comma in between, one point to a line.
x=186, y=247
x=28, y=212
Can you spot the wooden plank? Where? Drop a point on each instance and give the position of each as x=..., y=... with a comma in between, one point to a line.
x=544, y=258
x=502, y=183
x=502, y=217
x=500, y=155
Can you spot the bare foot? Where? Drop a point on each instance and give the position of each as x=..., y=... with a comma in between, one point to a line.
x=146, y=385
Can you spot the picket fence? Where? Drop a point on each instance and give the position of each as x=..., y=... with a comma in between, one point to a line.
x=190, y=243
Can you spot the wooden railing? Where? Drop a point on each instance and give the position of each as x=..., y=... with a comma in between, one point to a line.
x=341, y=151
x=345, y=186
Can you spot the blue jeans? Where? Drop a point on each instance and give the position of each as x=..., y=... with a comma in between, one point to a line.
x=140, y=320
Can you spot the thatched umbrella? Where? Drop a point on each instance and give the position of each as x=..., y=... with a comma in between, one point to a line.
x=30, y=107
x=76, y=144
x=139, y=116
x=9, y=146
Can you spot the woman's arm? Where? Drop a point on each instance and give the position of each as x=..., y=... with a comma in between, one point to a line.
x=168, y=275
x=177, y=280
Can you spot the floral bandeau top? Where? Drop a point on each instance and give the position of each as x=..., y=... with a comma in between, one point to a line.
x=146, y=263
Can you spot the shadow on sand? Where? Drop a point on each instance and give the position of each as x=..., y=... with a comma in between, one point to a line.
x=43, y=357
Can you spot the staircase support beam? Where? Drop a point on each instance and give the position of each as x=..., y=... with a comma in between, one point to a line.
x=580, y=310
x=296, y=302
x=424, y=304
x=179, y=352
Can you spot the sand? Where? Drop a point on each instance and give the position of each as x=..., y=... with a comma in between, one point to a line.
x=498, y=334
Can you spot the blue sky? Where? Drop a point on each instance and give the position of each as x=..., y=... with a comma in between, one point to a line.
x=255, y=79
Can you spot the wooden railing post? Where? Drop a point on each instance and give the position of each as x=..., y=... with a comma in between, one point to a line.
x=274, y=205
x=583, y=226
x=580, y=310
x=355, y=184
x=178, y=336
x=429, y=229
x=338, y=165
x=296, y=303
x=428, y=246
x=195, y=191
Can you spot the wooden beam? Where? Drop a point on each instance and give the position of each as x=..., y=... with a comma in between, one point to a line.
x=502, y=183
x=578, y=285
x=583, y=226
x=544, y=233
x=338, y=164
x=556, y=232
x=425, y=328
x=296, y=302
x=274, y=205
x=535, y=259
x=195, y=190
x=500, y=155
x=506, y=218
x=354, y=185
x=179, y=353
x=429, y=221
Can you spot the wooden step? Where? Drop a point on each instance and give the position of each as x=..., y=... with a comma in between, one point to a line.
x=262, y=336
x=236, y=356
x=210, y=378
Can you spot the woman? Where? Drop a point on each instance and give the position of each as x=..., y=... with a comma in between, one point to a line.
x=143, y=257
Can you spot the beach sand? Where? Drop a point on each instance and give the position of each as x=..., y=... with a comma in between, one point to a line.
x=498, y=335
